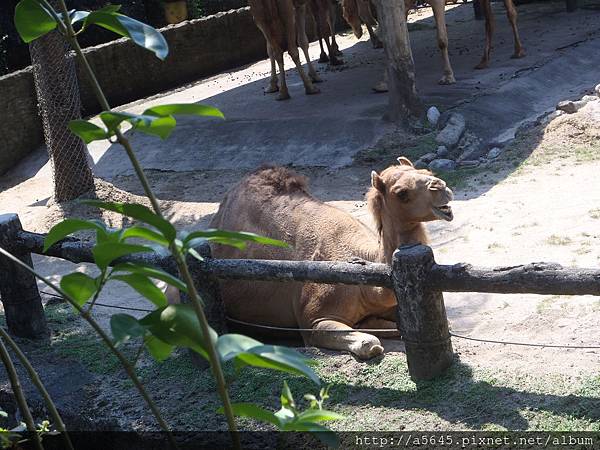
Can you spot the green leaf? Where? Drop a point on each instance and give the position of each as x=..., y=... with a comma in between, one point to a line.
x=125, y=327
x=88, y=131
x=159, y=126
x=151, y=272
x=107, y=252
x=253, y=411
x=144, y=233
x=78, y=286
x=321, y=432
x=158, y=349
x=138, y=212
x=69, y=226
x=185, y=109
x=287, y=399
x=144, y=286
x=32, y=20
x=234, y=237
x=252, y=353
x=178, y=325
x=319, y=415
x=149, y=124
x=143, y=35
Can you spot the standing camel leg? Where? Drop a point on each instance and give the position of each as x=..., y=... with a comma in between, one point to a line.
x=296, y=32
x=486, y=7
x=366, y=15
x=330, y=31
x=273, y=86
x=331, y=15
x=511, y=12
x=439, y=7
x=375, y=41
x=283, y=89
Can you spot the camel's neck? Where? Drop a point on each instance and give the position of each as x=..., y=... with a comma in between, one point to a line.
x=395, y=235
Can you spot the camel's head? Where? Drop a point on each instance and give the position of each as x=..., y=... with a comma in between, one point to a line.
x=409, y=195
x=352, y=16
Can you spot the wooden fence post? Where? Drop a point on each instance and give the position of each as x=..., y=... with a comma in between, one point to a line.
x=421, y=314
x=18, y=288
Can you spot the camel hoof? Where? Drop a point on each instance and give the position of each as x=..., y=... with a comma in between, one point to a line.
x=447, y=79
x=335, y=61
x=323, y=58
x=482, y=65
x=338, y=52
x=312, y=90
x=380, y=87
x=271, y=89
x=316, y=78
x=283, y=96
x=519, y=54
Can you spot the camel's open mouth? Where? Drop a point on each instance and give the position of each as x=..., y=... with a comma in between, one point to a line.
x=443, y=212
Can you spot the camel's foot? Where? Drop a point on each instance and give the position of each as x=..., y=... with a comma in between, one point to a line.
x=283, y=95
x=381, y=87
x=315, y=78
x=272, y=88
x=338, y=52
x=323, y=58
x=518, y=54
x=484, y=64
x=447, y=79
x=312, y=90
x=376, y=43
x=335, y=61
x=366, y=348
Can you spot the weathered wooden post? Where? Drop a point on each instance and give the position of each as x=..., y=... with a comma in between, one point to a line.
x=18, y=289
x=421, y=314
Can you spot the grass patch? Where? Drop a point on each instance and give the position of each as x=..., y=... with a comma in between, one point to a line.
x=558, y=240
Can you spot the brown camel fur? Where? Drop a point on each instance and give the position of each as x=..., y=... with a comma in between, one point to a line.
x=357, y=12
x=283, y=23
x=275, y=202
x=511, y=12
x=324, y=14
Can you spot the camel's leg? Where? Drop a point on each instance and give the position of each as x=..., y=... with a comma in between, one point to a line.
x=486, y=7
x=375, y=41
x=273, y=86
x=511, y=12
x=439, y=12
x=331, y=14
x=323, y=58
x=303, y=43
x=363, y=345
x=283, y=89
x=379, y=323
x=294, y=24
x=333, y=59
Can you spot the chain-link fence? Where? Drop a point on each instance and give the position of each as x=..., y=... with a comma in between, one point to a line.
x=55, y=75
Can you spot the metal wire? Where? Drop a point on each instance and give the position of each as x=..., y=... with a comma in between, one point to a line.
x=363, y=330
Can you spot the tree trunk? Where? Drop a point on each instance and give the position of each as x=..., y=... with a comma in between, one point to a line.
x=57, y=89
x=393, y=31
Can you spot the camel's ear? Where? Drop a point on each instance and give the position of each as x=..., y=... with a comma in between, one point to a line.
x=404, y=161
x=377, y=182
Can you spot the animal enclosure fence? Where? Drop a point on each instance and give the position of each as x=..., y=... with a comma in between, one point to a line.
x=417, y=280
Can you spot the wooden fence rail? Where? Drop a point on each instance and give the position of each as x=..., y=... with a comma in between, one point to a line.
x=416, y=279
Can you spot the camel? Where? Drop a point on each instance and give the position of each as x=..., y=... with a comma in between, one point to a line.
x=511, y=12
x=275, y=202
x=357, y=12
x=324, y=14
x=283, y=23
x=354, y=18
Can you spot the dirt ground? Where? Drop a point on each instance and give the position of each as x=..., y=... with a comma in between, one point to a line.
x=538, y=201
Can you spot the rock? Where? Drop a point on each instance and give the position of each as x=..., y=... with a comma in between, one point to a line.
x=428, y=157
x=469, y=163
x=589, y=98
x=442, y=164
x=433, y=115
x=494, y=153
x=597, y=90
x=550, y=117
x=442, y=151
x=420, y=164
x=452, y=132
x=471, y=152
x=567, y=106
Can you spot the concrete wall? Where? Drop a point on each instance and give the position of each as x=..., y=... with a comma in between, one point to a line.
x=126, y=72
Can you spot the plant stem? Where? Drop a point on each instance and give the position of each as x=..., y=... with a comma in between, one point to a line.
x=122, y=359
x=215, y=362
x=19, y=395
x=35, y=379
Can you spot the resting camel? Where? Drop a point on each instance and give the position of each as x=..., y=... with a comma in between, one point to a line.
x=275, y=202
x=283, y=23
x=511, y=12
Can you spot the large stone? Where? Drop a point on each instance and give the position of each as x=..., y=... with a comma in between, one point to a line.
x=494, y=153
x=453, y=131
x=433, y=115
x=420, y=164
x=567, y=106
x=597, y=90
x=442, y=151
x=428, y=157
x=442, y=164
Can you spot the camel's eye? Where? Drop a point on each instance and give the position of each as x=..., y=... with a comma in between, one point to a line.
x=402, y=194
